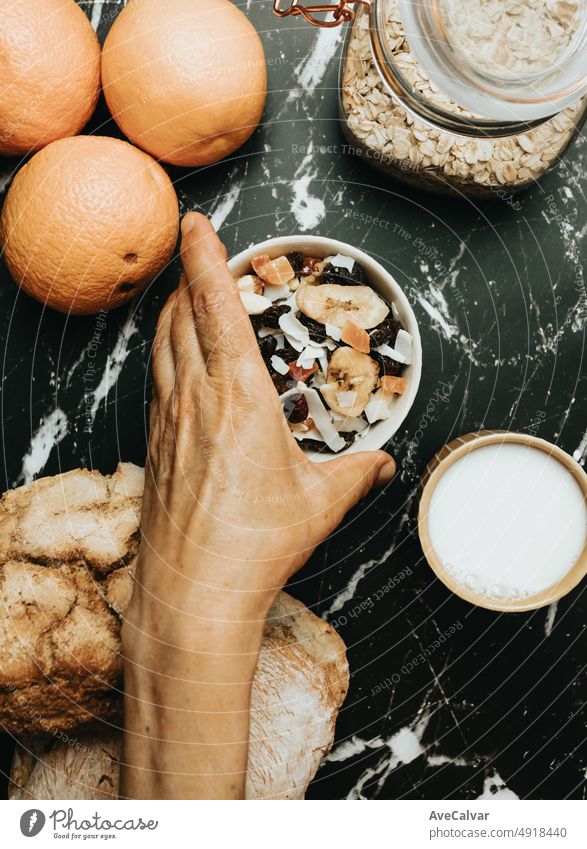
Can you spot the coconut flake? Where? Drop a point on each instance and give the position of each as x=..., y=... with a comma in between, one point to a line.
x=346, y=399
x=377, y=409
x=394, y=353
x=354, y=424
x=403, y=344
x=305, y=361
x=274, y=293
x=333, y=331
x=254, y=304
x=323, y=422
x=280, y=366
x=308, y=434
x=310, y=353
x=292, y=303
x=319, y=414
x=294, y=329
x=341, y=261
x=323, y=360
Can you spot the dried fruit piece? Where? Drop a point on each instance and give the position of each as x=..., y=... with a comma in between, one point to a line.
x=311, y=265
x=250, y=283
x=349, y=371
x=282, y=382
x=272, y=315
x=337, y=304
x=299, y=373
x=393, y=385
x=296, y=260
x=387, y=365
x=268, y=347
x=276, y=271
x=324, y=448
x=356, y=337
x=343, y=276
x=385, y=333
x=318, y=332
x=295, y=408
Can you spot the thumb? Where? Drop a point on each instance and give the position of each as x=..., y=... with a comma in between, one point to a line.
x=356, y=474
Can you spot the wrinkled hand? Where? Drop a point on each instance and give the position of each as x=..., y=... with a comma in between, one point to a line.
x=232, y=507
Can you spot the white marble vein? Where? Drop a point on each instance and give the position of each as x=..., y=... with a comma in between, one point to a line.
x=580, y=453
x=550, y=617
x=114, y=365
x=347, y=594
x=309, y=72
x=307, y=209
x=403, y=747
x=494, y=787
x=224, y=204
x=50, y=432
x=97, y=7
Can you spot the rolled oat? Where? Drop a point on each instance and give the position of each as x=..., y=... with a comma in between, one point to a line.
x=422, y=154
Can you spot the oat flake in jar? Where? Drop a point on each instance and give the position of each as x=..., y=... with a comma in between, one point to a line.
x=472, y=96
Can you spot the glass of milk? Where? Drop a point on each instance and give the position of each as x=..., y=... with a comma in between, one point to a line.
x=503, y=520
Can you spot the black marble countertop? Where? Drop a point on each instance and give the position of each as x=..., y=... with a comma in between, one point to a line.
x=496, y=708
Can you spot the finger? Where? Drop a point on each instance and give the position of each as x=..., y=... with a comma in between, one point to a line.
x=184, y=336
x=163, y=356
x=357, y=474
x=222, y=323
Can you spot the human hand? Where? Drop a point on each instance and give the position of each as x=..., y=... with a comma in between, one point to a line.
x=232, y=506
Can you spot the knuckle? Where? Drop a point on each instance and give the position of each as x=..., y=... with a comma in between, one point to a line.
x=209, y=301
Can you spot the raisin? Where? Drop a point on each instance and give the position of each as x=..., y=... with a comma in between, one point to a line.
x=295, y=408
x=270, y=318
x=317, y=331
x=288, y=353
x=343, y=276
x=296, y=260
x=387, y=366
x=282, y=382
x=322, y=447
x=268, y=347
x=256, y=322
x=385, y=333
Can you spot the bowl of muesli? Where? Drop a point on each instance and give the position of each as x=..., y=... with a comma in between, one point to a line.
x=338, y=336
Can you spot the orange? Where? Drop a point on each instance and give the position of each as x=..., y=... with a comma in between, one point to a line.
x=49, y=73
x=184, y=79
x=87, y=223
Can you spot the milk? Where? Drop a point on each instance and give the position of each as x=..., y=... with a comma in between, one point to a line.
x=507, y=520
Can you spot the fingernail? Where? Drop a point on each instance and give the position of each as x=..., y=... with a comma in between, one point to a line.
x=386, y=472
x=187, y=223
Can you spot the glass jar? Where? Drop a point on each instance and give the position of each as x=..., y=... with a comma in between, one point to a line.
x=483, y=98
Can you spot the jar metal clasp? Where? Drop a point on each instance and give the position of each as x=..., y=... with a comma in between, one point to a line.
x=341, y=12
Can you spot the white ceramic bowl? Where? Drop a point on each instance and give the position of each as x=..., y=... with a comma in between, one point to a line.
x=383, y=283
